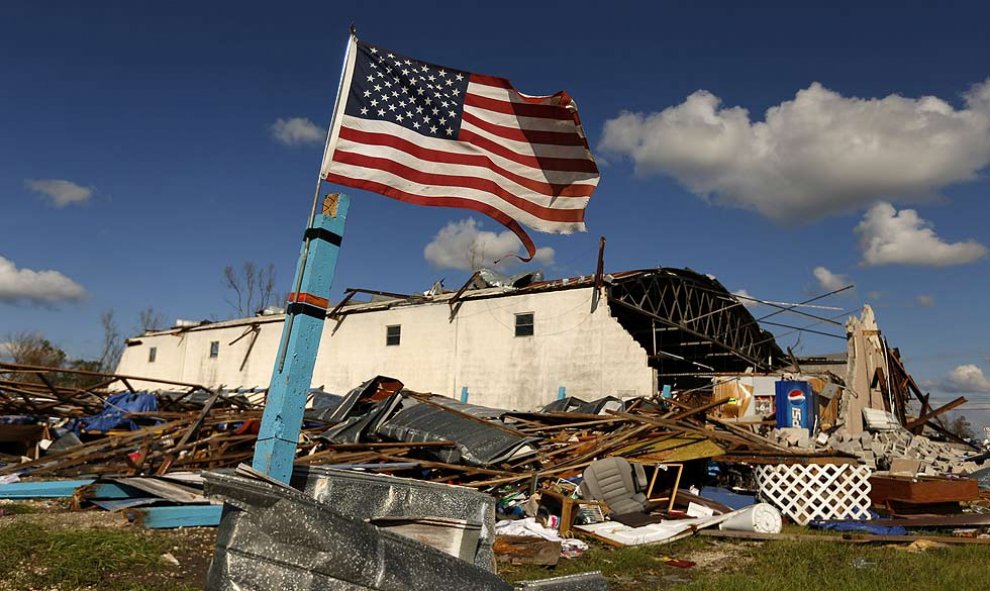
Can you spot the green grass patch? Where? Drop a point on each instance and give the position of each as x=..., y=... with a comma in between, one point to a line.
x=19, y=509
x=779, y=566
x=72, y=558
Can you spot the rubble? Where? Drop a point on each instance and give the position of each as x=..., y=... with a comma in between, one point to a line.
x=884, y=448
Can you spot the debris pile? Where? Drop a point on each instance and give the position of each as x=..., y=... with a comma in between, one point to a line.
x=882, y=448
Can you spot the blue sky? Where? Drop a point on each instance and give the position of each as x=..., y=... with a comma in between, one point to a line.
x=161, y=119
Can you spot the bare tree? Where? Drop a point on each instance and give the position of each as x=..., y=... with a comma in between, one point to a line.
x=151, y=320
x=252, y=288
x=32, y=348
x=113, y=344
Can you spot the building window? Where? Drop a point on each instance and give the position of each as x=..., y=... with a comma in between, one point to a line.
x=524, y=324
x=392, y=335
x=214, y=348
x=152, y=354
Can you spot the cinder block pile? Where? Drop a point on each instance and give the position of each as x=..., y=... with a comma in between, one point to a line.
x=880, y=449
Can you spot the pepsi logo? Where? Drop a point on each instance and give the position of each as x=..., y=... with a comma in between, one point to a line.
x=795, y=396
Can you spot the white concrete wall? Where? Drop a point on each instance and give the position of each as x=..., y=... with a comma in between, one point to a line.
x=589, y=354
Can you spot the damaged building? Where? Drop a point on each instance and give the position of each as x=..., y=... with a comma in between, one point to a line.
x=517, y=342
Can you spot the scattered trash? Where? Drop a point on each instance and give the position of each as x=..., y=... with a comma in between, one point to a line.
x=167, y=557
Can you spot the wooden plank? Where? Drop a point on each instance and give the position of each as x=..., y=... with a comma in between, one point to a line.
x=925, y=418
x=840, y=539
x=172, y=517
x=47, y=489
x=922, y=490
x=526, y=550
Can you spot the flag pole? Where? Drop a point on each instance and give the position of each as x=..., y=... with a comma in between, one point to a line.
x=333, y=131
x=292, y=375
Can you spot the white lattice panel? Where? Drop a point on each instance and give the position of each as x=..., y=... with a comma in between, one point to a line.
x=808, y=493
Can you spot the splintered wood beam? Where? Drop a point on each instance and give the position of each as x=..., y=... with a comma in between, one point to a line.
x=925, y=418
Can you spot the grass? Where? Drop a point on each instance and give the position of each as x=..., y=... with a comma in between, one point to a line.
x=780, y=566
x=19, y=509
x=74, y=558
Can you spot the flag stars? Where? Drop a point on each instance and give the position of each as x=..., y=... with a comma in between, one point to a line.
x=394, y=84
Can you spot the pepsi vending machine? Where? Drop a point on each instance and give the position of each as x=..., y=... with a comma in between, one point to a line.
x=796, y=405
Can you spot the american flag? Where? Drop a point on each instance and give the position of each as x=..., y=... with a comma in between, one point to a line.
x=431, y=135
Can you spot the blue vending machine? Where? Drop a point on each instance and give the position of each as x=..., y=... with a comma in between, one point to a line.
x=796, y=405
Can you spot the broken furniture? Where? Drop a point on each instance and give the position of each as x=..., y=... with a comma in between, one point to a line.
x=618, y=484
x=650, y=489
x=568, y=504
x=921, y=494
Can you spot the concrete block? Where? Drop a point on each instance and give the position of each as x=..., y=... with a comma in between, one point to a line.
x=905, y=466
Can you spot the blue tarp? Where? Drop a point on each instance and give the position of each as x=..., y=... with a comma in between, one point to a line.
x=728, y=497
x=116, y=406
x=860, y=526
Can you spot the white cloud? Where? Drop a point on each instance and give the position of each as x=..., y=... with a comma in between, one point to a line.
x=60, y=192
x=39, y=287
x=966, y=379
x=743, y=295
x=830, y=281
x=818, y=154
x=296, y=131
x=925, y=301
x=888, y=236
x=463, y=245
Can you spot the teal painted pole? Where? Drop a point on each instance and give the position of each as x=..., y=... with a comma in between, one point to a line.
x=561, y=393
x=301, y=332
x=464, y=394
